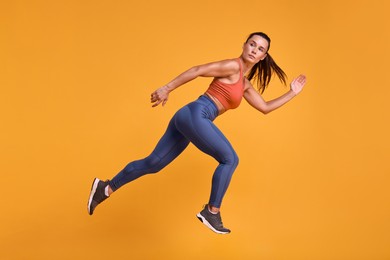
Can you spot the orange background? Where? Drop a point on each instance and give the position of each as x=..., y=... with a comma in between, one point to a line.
x=75, y=78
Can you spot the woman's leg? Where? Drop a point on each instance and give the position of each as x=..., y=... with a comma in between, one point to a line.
x=195, y=123
x=191, y=123
x=167, y=149
x=196, y=126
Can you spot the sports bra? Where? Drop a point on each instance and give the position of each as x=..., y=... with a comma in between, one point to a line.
x=230, y=95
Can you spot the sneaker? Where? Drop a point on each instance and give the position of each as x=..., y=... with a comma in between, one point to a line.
x=212, y=221
x=97, y=195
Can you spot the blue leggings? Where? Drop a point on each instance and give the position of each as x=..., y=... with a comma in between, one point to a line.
x=192, y=123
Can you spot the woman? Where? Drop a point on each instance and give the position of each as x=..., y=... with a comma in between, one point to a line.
x=194, y=122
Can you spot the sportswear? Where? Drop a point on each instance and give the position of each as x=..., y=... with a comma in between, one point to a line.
x=97, y=194
x=230, y=95
x=212, y=221
x=192, y=123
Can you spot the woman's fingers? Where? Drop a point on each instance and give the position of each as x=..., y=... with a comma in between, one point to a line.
x=301, y=79
x=158, y=98
x=298, y=83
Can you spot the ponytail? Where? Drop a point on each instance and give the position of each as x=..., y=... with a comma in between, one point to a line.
x=262, y=71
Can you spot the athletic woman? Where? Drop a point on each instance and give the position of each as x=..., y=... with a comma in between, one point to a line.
x=194, y=122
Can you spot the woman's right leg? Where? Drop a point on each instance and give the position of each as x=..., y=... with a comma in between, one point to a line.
x=171, y=145
x=168, y=148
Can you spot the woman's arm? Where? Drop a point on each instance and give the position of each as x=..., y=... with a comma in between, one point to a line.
x=256, y=100
x=218, y=69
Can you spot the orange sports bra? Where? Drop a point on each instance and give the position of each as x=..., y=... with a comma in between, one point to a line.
x=230, y=95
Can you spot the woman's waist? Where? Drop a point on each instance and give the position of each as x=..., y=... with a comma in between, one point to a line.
x=217, y=103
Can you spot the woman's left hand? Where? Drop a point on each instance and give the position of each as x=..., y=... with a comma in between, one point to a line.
x=159, y=96
x=297, y=84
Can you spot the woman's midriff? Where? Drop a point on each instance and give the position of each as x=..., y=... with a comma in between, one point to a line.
x=220, y=107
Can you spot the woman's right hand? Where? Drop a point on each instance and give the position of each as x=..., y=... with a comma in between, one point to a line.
x=159, y=96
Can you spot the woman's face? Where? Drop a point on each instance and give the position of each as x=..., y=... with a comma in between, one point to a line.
x=255, y=49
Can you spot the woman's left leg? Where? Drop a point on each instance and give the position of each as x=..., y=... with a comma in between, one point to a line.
x=195, y=123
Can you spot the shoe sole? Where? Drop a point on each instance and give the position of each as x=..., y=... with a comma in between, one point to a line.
x=93, y=190
x=207, y=224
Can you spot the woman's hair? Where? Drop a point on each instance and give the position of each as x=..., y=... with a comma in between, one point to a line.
x=264, y=69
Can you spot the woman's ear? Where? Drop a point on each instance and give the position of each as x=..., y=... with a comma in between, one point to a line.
x=265, y=56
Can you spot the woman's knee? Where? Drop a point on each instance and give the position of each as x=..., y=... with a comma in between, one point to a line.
x=231, y=158
x=153, y=163
x=236, y=159
x=150, y=164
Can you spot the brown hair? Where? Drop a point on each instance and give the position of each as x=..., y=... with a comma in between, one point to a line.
x=263, y=70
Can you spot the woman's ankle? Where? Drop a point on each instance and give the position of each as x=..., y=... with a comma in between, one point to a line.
x=110, y=191
x=213, y=209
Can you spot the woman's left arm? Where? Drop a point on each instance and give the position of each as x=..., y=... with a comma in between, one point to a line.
x=256, y=100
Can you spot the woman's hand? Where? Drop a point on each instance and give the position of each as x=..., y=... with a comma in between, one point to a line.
x=159, y=96
x=297, y=84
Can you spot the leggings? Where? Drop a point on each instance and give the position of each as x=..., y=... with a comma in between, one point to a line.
x=192, y=123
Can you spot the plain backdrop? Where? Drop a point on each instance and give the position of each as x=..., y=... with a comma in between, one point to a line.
x=76, y=77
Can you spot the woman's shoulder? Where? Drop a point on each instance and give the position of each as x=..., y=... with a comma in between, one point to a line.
x=247, y=84
x=231, y=64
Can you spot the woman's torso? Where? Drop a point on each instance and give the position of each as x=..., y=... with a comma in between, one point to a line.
x=227, y=95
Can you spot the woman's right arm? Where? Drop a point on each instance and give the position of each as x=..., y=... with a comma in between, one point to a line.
x=218, y=69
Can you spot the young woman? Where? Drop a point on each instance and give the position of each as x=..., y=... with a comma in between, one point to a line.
x=194, y=122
